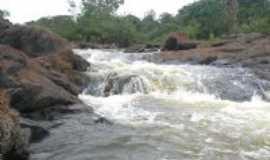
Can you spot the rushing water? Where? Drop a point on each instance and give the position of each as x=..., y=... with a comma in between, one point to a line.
x=163, y=112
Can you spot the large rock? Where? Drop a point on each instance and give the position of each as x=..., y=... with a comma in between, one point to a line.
x=178, y=41
x=69, y=60
x=121, y=84
x=34, y=87
x=43, y=78
x=71, y=65
x=34, y=41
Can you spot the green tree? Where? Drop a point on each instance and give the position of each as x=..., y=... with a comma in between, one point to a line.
x=208, y=14
x=65, y=26
x=4, y=13
x=166, y=18
x=101, y=6
x=254, y=15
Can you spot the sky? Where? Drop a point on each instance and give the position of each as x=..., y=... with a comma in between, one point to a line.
x=27, y=10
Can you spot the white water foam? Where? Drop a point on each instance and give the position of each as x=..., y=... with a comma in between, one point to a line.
x=180, y=98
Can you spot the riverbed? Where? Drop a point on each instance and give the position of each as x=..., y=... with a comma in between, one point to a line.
x=163, y=111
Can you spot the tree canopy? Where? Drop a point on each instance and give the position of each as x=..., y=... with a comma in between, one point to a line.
x=4, y=13
x=98, y=21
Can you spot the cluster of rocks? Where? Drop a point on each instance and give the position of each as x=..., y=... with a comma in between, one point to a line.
x=250, y=51
x=41, y=76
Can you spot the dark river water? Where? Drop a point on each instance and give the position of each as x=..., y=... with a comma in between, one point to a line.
x=163, y=112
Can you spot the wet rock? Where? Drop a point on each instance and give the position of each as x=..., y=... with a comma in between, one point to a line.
x=208, y=60
x=80, y=64
x=118, y=84
x=36, y=131
x=102, y=120
x=62, y=81
x=142, y=48
x=43, y=78
x=71, y=66
x=135, y=49
x=31, y=98
x=34, y=87
x=87, y=45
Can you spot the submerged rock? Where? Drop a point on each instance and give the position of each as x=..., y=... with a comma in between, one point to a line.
x=36, y=132
x=117, y=84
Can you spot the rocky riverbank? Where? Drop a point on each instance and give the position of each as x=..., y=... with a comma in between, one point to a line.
x=42, y=78
x=246, y=50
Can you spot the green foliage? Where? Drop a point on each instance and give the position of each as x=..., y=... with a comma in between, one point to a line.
x=208, y=15
x=254, y=16
x=100, y=6
x=192, y=29
x=65, y=26
x=4, y=13
x=97, y=22
x=261, y=25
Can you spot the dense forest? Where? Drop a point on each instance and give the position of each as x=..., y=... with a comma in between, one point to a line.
x=98, y=21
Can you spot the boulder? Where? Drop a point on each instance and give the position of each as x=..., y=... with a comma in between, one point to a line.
x=34, y=41
x=38, y=93
x=178, y=41
x=42, y=76
x=71, y=66
x=120, y=84
x=33, y=87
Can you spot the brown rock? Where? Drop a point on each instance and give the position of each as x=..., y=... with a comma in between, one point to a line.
x=33, y=87
x=178, y=41
x=236, y=50
x=34, y=41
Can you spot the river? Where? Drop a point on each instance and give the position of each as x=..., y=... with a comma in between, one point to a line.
x=163, y=111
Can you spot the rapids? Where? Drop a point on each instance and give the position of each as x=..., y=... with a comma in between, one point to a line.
x=163, y=111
